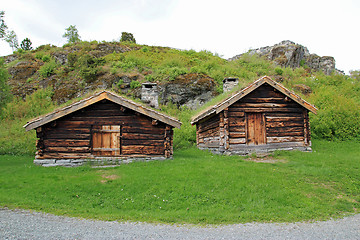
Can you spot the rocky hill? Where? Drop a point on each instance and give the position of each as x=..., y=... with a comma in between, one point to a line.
x=185, y=78
x=290, y=54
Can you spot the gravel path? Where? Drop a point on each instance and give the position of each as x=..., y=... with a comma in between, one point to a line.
x=23, y=224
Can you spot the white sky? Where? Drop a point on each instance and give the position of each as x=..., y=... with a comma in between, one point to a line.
x=226, y=27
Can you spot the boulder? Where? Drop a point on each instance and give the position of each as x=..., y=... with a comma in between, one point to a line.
x=191, y=90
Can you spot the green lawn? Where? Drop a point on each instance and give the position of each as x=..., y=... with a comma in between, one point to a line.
x=195, y=187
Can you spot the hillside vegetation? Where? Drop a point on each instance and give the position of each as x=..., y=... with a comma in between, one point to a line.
x=41, y=80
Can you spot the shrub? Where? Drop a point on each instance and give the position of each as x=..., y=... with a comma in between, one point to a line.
x=48, y=68
x=46, y=58
x=279, y=71
x=135, y=84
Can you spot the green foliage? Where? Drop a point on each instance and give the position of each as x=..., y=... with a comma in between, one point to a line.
x=12, y=40
x=72, y=59
x=196, y=187
x=26, y=44
x=127, y=37
x=72, y=34
x=135, y=84
x=355, y=74
x=48, y=68
x=4, y=87
x=3, y=26
x=46, y=58
x=279, y=71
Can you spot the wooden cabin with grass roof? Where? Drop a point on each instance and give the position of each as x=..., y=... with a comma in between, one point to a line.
x=263, y=117
x=104, y=128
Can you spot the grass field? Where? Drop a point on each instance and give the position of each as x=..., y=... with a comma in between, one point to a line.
x=196, y=187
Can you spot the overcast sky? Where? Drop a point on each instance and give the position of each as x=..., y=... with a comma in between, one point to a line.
x=225, y=27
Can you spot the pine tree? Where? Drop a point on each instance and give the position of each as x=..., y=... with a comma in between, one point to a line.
x=26, y=44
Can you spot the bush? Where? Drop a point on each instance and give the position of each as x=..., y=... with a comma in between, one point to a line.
x=135, y=84
x=279, y=71
x=48, y=68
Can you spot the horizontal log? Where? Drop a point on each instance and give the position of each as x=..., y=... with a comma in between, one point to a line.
x=65, y=156
x=284, y=134
x=66, y=143
x=284, y=119
x=128, y=129
x=284, y=139
x=204, y=127
x=146, y=150
x=66, y=130
x=236, y=113
x=142, y=136
x=237, y=122
x=125, y=142
x=72, y=136
x=284, y=129
x=266, y=100
x=266, y=110
x=236, y=129
x=266, y=105
x=210, y=132
x=284, y=124
x=237, y=134
x=67, y=149
x=284, y=114
x=237, y=140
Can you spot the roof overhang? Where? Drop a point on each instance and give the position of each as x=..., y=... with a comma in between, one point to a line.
x=239, y=95
x=35, y=123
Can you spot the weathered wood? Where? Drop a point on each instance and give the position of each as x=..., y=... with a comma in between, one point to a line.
x=284, y=139
x=284, y=124
x=69, y=135
x=244, y=147
x=145, y=150
x=255, y=129
x=266, y=105
x=284, y=133
x=142, y=136
x=236, y=113
x=284, y=119
x=237, y=134
x=65, y=156
x=66, y=143
x=237, y=140
x=67, y=149
x=284, y=129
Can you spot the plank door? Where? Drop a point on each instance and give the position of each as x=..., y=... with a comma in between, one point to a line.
x=255, y=129
x=106, y=140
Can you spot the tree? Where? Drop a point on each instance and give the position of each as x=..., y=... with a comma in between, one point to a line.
x=127, y=37
x=11, y=38
x=72, y=34
x=3, y=26
x=26, y=44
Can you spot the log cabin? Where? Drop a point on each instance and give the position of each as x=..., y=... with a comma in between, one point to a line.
x=104, y=128
x=261, y=118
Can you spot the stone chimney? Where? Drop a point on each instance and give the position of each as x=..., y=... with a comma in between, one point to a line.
x=229, y=83
x=150, y=94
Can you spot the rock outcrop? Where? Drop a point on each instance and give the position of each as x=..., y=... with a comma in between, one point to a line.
x=191, y=90
x=290, y=54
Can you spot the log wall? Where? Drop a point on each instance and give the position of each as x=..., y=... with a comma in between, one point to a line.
x=285, y=120
x=285, y=123
x=208, y=133
x=71, y=136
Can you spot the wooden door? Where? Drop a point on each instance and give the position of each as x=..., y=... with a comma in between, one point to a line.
x=106, y=140
x=255, y=129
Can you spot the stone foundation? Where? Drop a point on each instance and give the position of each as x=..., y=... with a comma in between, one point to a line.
x=98, y=161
